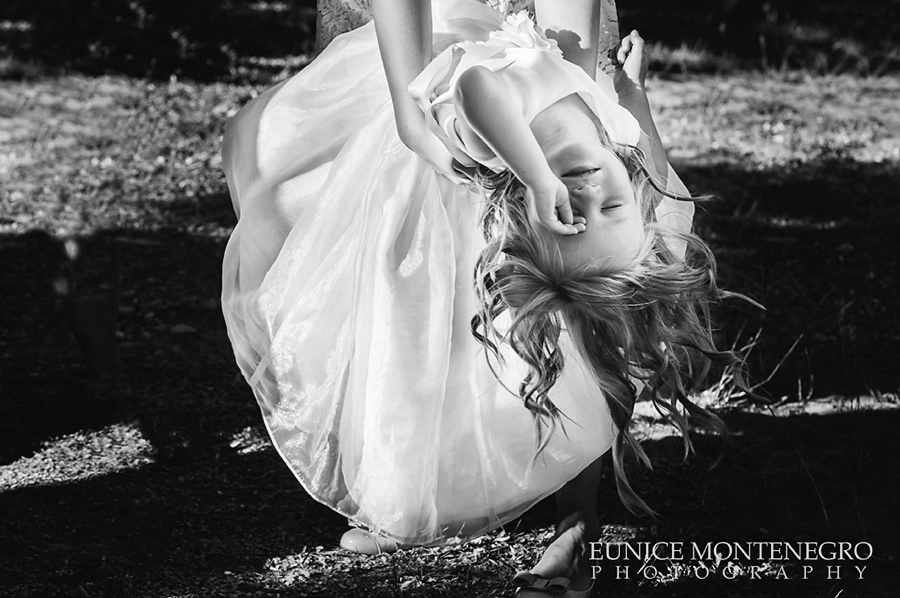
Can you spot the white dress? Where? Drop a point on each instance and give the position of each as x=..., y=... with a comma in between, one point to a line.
x=348, y=295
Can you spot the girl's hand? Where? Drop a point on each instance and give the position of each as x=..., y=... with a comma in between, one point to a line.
x=631, y=70
x=549, y=203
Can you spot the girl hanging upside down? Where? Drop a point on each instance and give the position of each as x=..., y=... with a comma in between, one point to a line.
x=459, y=261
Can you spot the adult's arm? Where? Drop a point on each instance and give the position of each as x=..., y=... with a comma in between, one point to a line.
x=404, y=35
x=575, y=25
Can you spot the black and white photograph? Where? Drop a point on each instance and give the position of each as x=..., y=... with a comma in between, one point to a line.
x=458, y=298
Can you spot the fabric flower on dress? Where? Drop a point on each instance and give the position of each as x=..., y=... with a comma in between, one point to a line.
x=519, y=30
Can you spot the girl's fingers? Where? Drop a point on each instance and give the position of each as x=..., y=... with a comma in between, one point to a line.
x=580, y=223
x=564, y=213
x=556, y=225
x=553, y=209
x=566, y=229
x=566, y=216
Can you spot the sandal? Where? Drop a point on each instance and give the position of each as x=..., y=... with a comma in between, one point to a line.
x=531, y=585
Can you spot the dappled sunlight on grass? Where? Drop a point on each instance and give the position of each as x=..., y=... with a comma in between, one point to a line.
x=778, y=222
x=252, y=439
x=79, y=456
x=764, y=121
x=807, y=171
x=92, y=154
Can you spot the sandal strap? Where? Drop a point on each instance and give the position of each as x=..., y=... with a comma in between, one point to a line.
x=531, y=581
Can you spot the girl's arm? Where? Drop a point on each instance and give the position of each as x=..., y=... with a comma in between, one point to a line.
x=629, y=82
x=403, y=28
x=491, y=118
x=575, y=25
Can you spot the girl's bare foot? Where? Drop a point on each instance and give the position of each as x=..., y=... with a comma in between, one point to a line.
x=366, y=542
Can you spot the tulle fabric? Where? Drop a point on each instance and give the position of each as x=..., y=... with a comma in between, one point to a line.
x=348, y=294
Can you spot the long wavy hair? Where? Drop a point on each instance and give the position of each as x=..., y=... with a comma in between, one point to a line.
x=648, y=323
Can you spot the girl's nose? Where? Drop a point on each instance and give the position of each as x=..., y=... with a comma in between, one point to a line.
x=582, y=194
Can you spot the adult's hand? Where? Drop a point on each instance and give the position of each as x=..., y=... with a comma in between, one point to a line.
x=427, y=146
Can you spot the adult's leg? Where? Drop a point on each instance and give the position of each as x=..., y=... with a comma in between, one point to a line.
x=586, y=30
x=574, y=24
x=577, y=525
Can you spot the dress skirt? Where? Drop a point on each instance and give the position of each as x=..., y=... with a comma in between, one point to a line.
x=348, y=296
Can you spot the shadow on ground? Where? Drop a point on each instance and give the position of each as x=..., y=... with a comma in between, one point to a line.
x=816, y=244
x=190, y=527
x=249, y=39
x=203, y=39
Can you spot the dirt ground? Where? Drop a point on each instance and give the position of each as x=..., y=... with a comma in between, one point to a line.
x=162, y=483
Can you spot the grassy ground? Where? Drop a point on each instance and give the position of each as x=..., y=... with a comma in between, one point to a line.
x=163, y=485
x=243, y=40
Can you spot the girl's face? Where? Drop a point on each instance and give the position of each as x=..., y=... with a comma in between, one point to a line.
x=598, y=184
